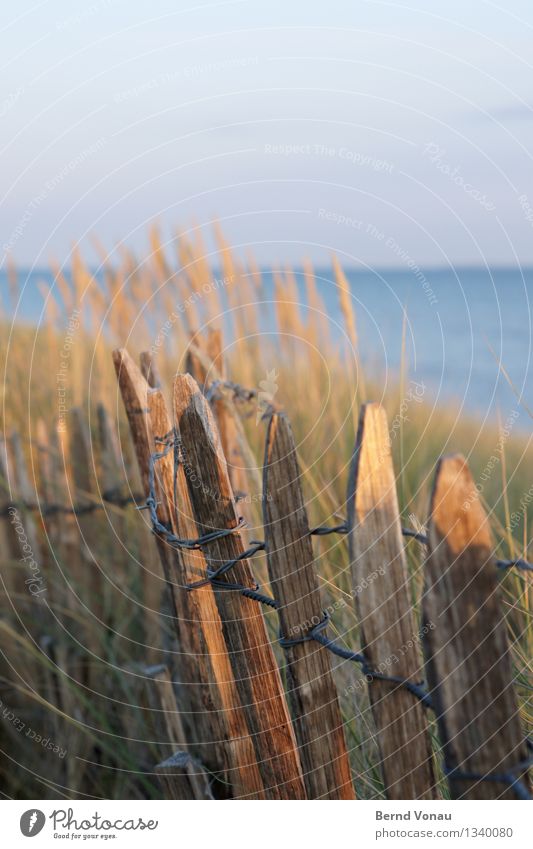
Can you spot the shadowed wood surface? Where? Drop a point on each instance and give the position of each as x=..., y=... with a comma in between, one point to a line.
x=181, y=776
x=206, y=363
x=134, y=391
x=468, y=661
x=150, y=369
x=312, y=690
x=216, y=695
x=165, y=715
x=253, y=662
x=389, y=636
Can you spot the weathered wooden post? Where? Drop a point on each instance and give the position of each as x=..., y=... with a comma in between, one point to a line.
x=252, y=659
x=215, y=707
x=389, y=636
x=311, y=688
x=467, y=651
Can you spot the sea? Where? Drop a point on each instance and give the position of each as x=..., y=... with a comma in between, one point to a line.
x=465, y=334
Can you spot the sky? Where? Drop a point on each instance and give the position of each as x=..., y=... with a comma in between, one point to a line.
x=388, y=133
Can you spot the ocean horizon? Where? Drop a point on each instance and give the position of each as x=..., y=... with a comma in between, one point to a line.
x=460, y=325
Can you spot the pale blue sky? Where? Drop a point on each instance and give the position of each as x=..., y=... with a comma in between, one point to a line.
x=384, y=131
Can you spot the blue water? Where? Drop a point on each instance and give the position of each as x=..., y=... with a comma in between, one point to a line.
x=453, y=319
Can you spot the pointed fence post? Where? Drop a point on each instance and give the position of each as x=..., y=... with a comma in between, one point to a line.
x=466, y=644
x=182, y=777
x=389, y=637
x=166, y=716
x=134, y=391
x=216, y=694
x=150, y=369
x=216, y=714
x=312, y=691
x=133, y=388
x=206, y=359
x=252, y=658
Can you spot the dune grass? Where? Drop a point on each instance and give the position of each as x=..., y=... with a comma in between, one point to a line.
x=75, y=676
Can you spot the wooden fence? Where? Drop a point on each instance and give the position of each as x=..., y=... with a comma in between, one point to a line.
x=252, y=727
x=285, y=739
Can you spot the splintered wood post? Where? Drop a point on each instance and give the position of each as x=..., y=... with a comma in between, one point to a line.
x=465, y=640
x=182, y=777
x=312, y=691
x=208, y=354
x=134, y=391
x=251, y=655
x=197, y=361
x=134, y=388
x=150, y=370
x=165, y=713
x=227, y=426
x=219, y=714
x=203, y=659
x=388, y=633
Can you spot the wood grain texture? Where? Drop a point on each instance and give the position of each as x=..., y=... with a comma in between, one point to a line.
x=165, y=714
x=182, y=777
x=312, y=691
x=205, y=362
x=219, y=737
x=252, y=659
x=150, y=369
x=467, y=652
x=216, y=696
x=388, y=632
x=134, y=390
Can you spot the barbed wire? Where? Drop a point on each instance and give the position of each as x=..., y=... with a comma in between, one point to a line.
x=54, y=509
x=240, y=393
x=513, y=776
x=171, y=441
